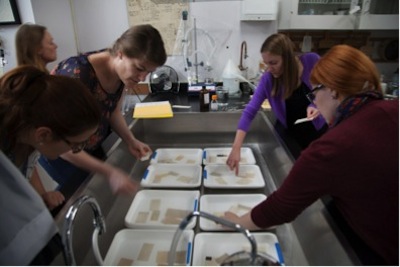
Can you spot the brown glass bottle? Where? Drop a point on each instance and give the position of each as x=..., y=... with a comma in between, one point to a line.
x=204, y=98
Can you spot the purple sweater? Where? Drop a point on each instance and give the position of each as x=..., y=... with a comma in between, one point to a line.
x=278, y=106
x=357, y=164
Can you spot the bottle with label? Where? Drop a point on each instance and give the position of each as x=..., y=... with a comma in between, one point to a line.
x=214, y=103
x=204, y=99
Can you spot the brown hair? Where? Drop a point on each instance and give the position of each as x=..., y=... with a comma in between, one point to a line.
x=279, y=44
x=30, y=98
x=142, y=42
x=347, y=70
x=28, y=41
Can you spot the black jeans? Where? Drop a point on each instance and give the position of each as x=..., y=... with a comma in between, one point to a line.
x=49, y=252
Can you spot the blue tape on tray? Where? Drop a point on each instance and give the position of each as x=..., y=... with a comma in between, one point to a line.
x=205, y=174
x=195, y=205
x=154, y=155
x=279, y=251
x=146, y=172
x=204, y=156
x=188, y=252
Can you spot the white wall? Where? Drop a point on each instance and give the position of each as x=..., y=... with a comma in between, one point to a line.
x=55, y=15
x=7, y=33
x=221, y=19
x=100, y=22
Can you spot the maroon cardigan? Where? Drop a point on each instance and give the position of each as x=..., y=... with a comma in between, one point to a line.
x=357, y=164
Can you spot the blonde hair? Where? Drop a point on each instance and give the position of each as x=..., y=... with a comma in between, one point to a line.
x=346, y=70
x=28, y=41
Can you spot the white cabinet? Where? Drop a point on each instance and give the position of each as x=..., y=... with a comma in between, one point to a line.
x=338, y=14
x=379, y=15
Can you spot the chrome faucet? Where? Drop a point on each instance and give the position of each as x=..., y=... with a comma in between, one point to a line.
x=243, y=55
x=241, y=258
x=98, y=222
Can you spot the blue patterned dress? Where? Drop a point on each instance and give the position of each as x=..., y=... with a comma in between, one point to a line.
x=80, y=68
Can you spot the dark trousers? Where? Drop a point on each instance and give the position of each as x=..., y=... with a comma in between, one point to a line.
x=49, y=252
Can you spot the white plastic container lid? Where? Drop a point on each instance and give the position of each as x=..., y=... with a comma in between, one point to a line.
x=177, y=156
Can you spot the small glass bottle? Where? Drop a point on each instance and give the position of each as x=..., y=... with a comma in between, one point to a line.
x=204, y=98
x=214, y=103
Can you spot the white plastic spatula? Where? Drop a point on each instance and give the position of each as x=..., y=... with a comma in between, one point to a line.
x=303, y=120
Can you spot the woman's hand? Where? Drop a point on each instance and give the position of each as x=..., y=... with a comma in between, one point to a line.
x=139, y=149
x=245, y=220
x=53, y=199
x=230, y=216
x=234, y=159
x=312, y=112
x=120, y=182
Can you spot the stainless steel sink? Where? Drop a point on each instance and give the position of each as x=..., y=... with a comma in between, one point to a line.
x=311, y=239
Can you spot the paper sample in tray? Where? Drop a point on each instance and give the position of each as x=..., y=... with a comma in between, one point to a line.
x=151, y=110
x=148, y=248
x=220, y=176
x=161, y=209
x=213, y=248
x=172, y=175
x=218, y=204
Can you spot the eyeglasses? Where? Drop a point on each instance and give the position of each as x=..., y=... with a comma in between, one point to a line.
x=311, y=95
x=75, y=147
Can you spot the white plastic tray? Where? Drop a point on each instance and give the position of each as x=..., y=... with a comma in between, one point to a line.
x=161, y=209
x=177, y=156
x=141, y=247
x=220, y=176
x=216, y=245
x=220, y=155
x=172, y=175
x=218, y=204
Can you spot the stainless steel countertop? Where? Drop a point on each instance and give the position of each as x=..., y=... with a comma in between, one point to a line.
x=312, y=239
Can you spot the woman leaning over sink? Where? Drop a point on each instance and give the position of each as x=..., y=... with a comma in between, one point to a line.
x=356, y=162
x=28, y=233
x=106, y=73
x=285, y=85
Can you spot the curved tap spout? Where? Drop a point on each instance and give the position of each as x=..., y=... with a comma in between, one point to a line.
x=98, y=222
x=241, y=258
x=243, y=55
x=188, y=218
